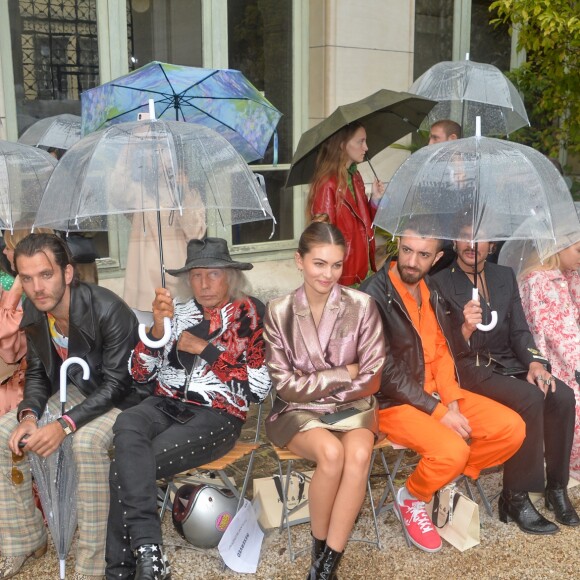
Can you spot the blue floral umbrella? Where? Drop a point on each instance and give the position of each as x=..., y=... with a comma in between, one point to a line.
x=223, y=100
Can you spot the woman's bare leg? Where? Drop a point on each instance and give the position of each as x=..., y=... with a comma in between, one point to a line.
x=326, y=450
x=358, y=448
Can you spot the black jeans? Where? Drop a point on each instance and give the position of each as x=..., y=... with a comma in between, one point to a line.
x=549, y=430
x=150, y=445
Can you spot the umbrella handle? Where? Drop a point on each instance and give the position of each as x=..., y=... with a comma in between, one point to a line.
x=73, y=360
x=156, y=343
x=493, y=323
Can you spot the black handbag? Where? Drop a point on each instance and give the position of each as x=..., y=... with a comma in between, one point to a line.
x=82, y=249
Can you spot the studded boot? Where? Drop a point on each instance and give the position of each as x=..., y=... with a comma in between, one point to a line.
x=152, y=563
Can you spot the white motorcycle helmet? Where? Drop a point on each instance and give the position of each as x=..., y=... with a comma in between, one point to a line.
x=201, y=513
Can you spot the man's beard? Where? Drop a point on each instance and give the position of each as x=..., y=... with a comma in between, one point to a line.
x=409, y=277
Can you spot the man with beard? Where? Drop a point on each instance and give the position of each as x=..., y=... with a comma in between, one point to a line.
x=64, y=318
x=422, y=406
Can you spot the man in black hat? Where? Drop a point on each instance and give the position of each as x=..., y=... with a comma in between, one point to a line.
x=203, y=381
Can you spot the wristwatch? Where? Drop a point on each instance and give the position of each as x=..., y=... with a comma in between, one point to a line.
x=65, y=426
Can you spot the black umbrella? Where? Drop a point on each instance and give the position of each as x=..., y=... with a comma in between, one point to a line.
x=386, y=115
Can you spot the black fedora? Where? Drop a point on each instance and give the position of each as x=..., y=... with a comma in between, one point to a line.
x=209, y=253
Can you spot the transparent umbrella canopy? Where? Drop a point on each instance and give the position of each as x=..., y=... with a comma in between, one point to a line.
x=59, y=131
x=151, y=166
x=130, y=169
x=468, y=89
x=24, y=173
x=525, y=255
x=501, y=189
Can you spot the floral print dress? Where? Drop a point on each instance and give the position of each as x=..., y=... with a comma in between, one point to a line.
x=551, y=302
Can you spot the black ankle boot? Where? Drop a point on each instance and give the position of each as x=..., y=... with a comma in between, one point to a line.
x=325, y=566
x=317, y=549
x=516, y=506
x=151, y=563
x=557, y=500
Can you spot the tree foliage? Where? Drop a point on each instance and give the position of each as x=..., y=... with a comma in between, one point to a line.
x=549, y=32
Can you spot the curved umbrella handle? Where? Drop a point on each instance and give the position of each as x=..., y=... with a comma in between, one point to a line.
x=73, y=360
x=156, y=343
x=493, y=323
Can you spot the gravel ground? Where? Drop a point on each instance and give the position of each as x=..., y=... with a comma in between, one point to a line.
x=504, y=551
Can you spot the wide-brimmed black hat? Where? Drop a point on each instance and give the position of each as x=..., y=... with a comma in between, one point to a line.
x=209, y=253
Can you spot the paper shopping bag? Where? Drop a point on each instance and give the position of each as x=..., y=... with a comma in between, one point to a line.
x=268, y=493
x=456, y=517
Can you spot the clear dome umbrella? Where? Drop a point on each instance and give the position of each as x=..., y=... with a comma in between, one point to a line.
x=467, y=89
x=495, y=186
x=526, y=255
x=501, y=190
x=59, y=131
x=170, y=167
x=24, y=173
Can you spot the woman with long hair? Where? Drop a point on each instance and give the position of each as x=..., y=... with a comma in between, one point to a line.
x=337, y=191
x=550, y=294
x=325, y=351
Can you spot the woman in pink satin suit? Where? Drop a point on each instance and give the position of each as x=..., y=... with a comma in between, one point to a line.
x=325, y=351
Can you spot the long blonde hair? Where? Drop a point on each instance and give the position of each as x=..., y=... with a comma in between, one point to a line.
x=331, y=162
x=533, y=264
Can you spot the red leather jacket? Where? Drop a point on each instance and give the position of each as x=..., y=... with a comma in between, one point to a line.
x=354, y=220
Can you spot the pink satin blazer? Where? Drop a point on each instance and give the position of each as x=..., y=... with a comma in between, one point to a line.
x=308, y=365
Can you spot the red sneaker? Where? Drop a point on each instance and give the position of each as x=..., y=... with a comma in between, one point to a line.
x=418, y=524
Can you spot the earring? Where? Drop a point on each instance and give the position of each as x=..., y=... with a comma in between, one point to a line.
x=455, y=248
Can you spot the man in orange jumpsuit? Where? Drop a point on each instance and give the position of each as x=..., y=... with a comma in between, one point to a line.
x=422, y=406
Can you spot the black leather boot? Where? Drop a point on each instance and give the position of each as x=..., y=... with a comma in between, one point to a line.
x=557, y=500
x=317, y=549
x=516, y=506
x=325, y=566
x=151, y=563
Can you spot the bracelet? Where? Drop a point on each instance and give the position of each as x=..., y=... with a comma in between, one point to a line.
x=72, y=424
x=29, y=417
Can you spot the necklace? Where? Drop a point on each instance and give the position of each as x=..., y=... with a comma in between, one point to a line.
x=481, y=281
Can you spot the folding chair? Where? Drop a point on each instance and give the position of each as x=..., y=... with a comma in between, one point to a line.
x=217, y=468
x=484, y=499
x=390, y=489
x=282, y=455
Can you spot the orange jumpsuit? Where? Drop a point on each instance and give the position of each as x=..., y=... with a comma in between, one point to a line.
x=496, y=431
